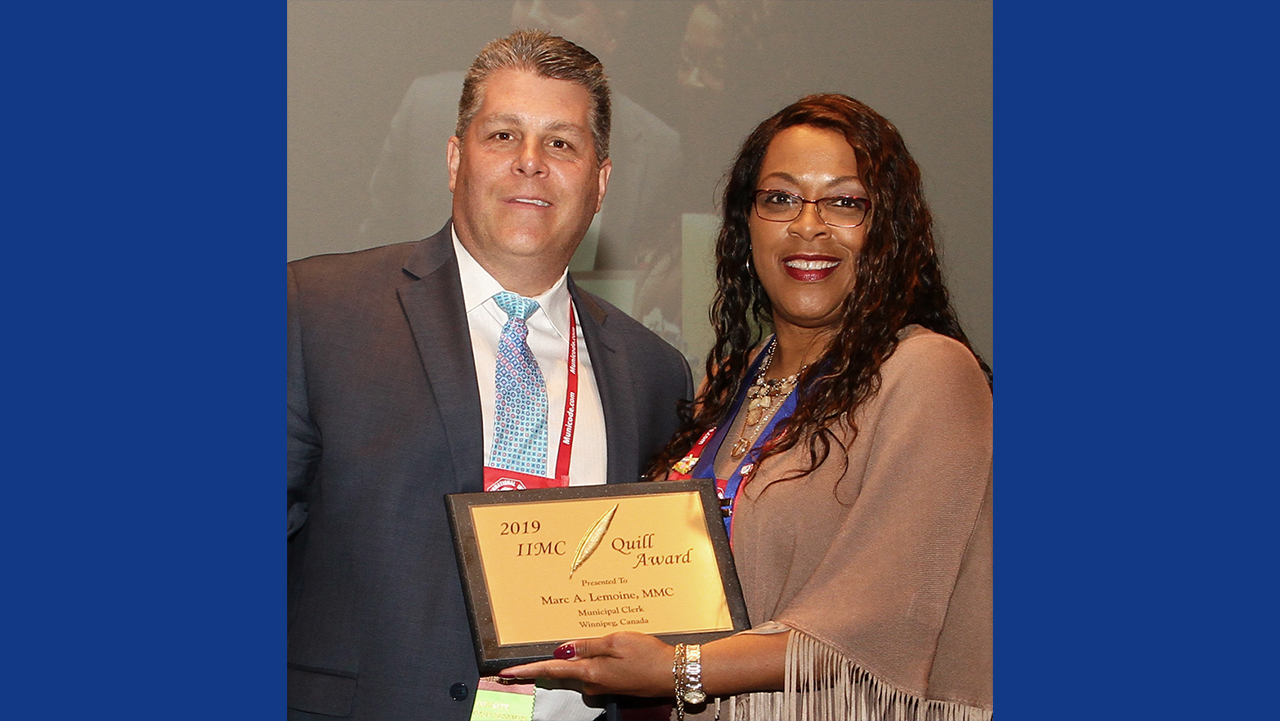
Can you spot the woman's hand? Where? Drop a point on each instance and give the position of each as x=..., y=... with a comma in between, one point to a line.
x=629, y=663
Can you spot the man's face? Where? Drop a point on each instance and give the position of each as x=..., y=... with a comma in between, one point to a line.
x=524, y=178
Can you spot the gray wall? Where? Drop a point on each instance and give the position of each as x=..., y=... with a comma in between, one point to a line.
x=373, y=94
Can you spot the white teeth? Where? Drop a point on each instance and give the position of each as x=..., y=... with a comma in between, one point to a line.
x=539, y=203
x=811, y=264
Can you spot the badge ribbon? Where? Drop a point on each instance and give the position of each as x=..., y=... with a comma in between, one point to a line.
x=497, y=701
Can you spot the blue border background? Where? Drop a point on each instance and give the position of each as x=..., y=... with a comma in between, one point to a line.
x=1135, y=251
x=146, y=154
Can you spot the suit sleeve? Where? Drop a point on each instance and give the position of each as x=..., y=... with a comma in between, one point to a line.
x=688, y=378
x=304, y=437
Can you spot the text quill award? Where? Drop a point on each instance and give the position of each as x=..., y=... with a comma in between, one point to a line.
x=540, y=567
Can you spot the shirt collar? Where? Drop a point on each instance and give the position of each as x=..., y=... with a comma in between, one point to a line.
x=478, y=287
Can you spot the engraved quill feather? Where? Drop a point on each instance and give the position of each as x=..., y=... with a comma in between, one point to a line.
x=591, y=541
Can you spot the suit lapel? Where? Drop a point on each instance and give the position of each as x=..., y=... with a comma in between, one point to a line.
x=433, y=305
x=613, y=380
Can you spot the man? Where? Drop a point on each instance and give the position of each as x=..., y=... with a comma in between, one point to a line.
x=637, y=232
x=396, y=356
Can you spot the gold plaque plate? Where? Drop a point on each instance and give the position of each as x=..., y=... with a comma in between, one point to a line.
x=545, y=566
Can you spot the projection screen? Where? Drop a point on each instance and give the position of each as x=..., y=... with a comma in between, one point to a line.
x=373, y=88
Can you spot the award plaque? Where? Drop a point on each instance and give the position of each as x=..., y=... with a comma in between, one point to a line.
x=544, y=566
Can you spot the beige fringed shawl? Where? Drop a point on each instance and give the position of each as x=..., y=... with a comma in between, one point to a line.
x=882, y=572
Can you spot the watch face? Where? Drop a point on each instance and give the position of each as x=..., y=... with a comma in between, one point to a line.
x=694, y=696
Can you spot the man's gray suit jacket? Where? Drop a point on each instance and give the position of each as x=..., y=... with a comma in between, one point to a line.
x=384, y=419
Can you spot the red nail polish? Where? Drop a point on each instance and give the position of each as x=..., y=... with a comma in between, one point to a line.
x=564, y=652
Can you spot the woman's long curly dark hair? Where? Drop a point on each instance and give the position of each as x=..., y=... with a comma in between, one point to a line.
x=898, y=282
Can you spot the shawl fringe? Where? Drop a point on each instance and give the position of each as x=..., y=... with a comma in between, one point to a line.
x=822, y=684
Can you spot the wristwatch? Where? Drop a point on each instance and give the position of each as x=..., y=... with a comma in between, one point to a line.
x=691, y=673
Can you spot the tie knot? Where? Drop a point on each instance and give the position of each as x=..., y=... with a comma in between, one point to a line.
x=516, y=306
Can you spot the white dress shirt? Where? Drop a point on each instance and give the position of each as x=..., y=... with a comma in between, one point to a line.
x=549, y=340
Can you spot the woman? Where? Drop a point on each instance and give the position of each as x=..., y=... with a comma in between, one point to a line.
x=854, y=444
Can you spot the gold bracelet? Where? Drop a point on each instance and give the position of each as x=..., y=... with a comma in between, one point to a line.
x=677, y=668
x=687, y=669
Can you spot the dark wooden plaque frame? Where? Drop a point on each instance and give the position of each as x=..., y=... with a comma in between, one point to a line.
x=492, y=657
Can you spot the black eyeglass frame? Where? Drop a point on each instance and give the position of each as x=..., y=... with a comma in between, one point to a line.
x=755, y=205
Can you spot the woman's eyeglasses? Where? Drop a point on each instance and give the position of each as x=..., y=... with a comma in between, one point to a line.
x=841, y=211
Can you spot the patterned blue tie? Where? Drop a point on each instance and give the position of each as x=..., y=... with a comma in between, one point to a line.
x=520, y=412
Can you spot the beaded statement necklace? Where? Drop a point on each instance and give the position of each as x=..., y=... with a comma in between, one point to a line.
x=764, y=398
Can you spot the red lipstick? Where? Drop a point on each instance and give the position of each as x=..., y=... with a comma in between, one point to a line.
x=808, y=268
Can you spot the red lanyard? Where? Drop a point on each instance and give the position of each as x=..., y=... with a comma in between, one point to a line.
x=682, y=470
x=500, y=479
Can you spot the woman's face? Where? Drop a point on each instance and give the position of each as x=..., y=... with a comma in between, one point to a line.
x=805, y=265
